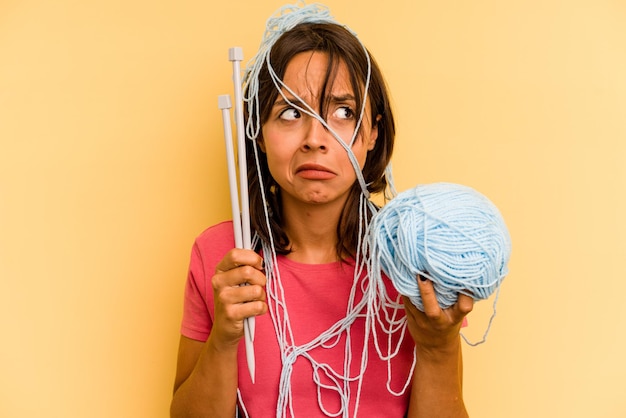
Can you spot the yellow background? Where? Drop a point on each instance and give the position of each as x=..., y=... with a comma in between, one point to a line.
x=112, y=161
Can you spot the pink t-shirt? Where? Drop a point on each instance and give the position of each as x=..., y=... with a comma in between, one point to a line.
x=316, y=297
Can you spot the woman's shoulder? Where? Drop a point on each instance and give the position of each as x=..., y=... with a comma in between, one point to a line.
x=222, y=229
x=216, y=239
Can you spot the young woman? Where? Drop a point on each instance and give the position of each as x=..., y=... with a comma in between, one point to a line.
x=328, y=341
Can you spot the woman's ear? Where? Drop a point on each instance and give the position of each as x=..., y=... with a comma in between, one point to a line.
x=373, y=134
x=261, y=143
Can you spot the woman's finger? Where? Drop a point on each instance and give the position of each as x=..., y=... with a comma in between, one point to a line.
x=238, y=257
x=464, y=304
x=429, y=298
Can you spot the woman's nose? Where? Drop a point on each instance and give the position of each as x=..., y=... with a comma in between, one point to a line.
x=316, y=136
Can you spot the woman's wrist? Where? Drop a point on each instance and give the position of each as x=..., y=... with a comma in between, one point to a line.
x=441, y=353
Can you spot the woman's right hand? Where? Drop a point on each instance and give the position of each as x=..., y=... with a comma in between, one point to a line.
x=206, y=373
x=239, y=293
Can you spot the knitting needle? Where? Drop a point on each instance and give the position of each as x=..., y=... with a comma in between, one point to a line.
x=235, y=55
x=225, y=105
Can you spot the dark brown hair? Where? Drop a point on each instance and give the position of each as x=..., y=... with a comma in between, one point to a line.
x=340, y=45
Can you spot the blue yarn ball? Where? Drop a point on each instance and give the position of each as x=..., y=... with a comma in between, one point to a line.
x=448, y=233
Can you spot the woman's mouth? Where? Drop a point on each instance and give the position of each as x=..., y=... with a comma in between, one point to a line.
x=314, y=172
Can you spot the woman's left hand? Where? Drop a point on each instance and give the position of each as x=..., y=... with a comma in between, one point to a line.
x=435, y=329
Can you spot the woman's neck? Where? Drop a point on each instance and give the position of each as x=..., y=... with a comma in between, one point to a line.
x=312, y=232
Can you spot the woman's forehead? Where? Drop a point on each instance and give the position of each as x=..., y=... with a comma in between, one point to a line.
x=307, y=74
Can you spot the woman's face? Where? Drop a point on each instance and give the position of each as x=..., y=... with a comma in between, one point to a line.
x=306, y=161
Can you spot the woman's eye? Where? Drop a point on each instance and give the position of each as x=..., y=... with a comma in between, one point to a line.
x=344, y=112
x=290, y=114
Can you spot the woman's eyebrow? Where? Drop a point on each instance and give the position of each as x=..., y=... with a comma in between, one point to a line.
x=342, y=98
x=280, y=101
x=292, y=101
